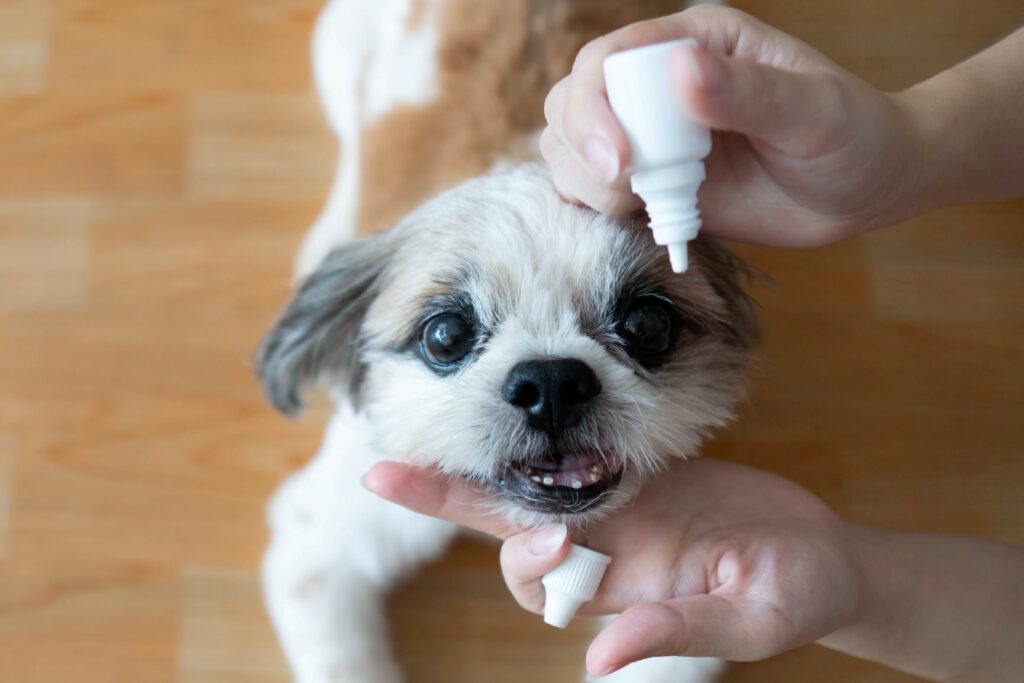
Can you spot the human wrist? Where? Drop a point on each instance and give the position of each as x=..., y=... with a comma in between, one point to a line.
x=967, y=130
x=923, y=609
x=870, y=622
x=926, y=167
x=941, y=138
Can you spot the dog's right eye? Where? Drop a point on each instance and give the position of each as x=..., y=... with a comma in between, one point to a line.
x=447, y=338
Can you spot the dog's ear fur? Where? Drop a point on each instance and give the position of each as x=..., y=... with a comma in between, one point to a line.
x=730, y=275
x=317, y=334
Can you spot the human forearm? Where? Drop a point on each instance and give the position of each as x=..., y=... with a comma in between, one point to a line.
x=968, y=131
x=945, y=607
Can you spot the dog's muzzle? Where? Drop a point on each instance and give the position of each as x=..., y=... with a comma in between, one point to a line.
x=553, y=393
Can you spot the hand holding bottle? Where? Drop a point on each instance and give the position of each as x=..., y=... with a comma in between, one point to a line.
x=804, y=153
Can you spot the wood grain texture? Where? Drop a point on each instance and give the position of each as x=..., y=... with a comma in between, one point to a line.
x=159, y=162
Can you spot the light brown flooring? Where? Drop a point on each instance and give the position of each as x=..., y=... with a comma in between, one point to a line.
x=159, y=162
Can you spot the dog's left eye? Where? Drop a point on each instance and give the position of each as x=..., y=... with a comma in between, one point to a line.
x=447, y=338
x=648, y=328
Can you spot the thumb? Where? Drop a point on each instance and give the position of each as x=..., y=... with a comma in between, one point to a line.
x=527, y=557
x=796, y=112
x=695, y=626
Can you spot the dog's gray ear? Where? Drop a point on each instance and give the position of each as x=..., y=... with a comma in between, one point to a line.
x=318, y=332
x=730, y=275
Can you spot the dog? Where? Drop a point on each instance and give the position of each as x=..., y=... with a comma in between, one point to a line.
x=492, y=330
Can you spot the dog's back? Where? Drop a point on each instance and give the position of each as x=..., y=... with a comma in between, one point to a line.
x=427, y=93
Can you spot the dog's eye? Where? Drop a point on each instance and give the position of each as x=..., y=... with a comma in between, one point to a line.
x=648, y=328
x=447, y=338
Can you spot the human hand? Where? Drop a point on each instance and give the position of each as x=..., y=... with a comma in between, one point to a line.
x=713, y=559
x=803, y=152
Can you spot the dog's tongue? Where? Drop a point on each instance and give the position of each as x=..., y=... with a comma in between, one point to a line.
x=574, y=469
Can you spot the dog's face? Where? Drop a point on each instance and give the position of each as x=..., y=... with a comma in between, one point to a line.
x=504, y=335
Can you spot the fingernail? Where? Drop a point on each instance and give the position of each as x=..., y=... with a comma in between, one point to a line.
x=601, y=158
x=548, y=539
x=704, y=70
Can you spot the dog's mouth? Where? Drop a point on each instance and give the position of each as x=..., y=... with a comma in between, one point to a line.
x=562, y=483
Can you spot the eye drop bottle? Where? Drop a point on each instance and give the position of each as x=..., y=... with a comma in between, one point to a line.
x=572, y=583
x=666, y=147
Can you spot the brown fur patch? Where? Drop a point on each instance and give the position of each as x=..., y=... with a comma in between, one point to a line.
x=497, y=59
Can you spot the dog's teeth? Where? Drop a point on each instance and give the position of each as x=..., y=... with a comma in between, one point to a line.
x=595, y=477
x=548, y=481
x=577, y=484
x=535, y=478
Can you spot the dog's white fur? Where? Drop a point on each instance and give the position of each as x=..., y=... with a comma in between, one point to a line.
x=366, y=61
x=335, y=548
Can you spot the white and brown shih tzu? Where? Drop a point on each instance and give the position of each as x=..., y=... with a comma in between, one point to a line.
x=495, y=332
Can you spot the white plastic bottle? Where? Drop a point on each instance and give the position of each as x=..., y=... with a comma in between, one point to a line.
x=666, y=146
x=572, y=583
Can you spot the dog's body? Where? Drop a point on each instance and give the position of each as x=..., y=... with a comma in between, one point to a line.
x=455, y=336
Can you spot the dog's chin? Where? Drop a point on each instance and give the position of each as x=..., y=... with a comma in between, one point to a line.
x=561, y=484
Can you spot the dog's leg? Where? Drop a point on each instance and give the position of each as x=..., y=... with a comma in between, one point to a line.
x=335, y=551
x=665, y=669
x=668, y=670
x=368, y=57
x=341, y=43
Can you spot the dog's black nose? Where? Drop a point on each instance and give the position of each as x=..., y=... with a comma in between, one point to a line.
x=552, y=392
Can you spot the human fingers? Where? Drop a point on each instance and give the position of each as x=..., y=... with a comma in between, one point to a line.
x=577, y=108
x=576, y=184
x=695, y=626
x=579, y=117
x=528, y=556
x=429, y=492
x=804, y=113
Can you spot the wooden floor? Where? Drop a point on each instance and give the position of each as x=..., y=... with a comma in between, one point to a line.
x=159, y=161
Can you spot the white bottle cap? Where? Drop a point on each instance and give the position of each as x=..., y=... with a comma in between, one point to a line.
x=666, y=146
x=572, y=583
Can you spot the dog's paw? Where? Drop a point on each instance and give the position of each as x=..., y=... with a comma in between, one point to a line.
x=359, y=670
x=668, y=670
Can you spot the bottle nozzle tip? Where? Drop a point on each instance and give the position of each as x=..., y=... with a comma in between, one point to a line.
x=677, y=256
